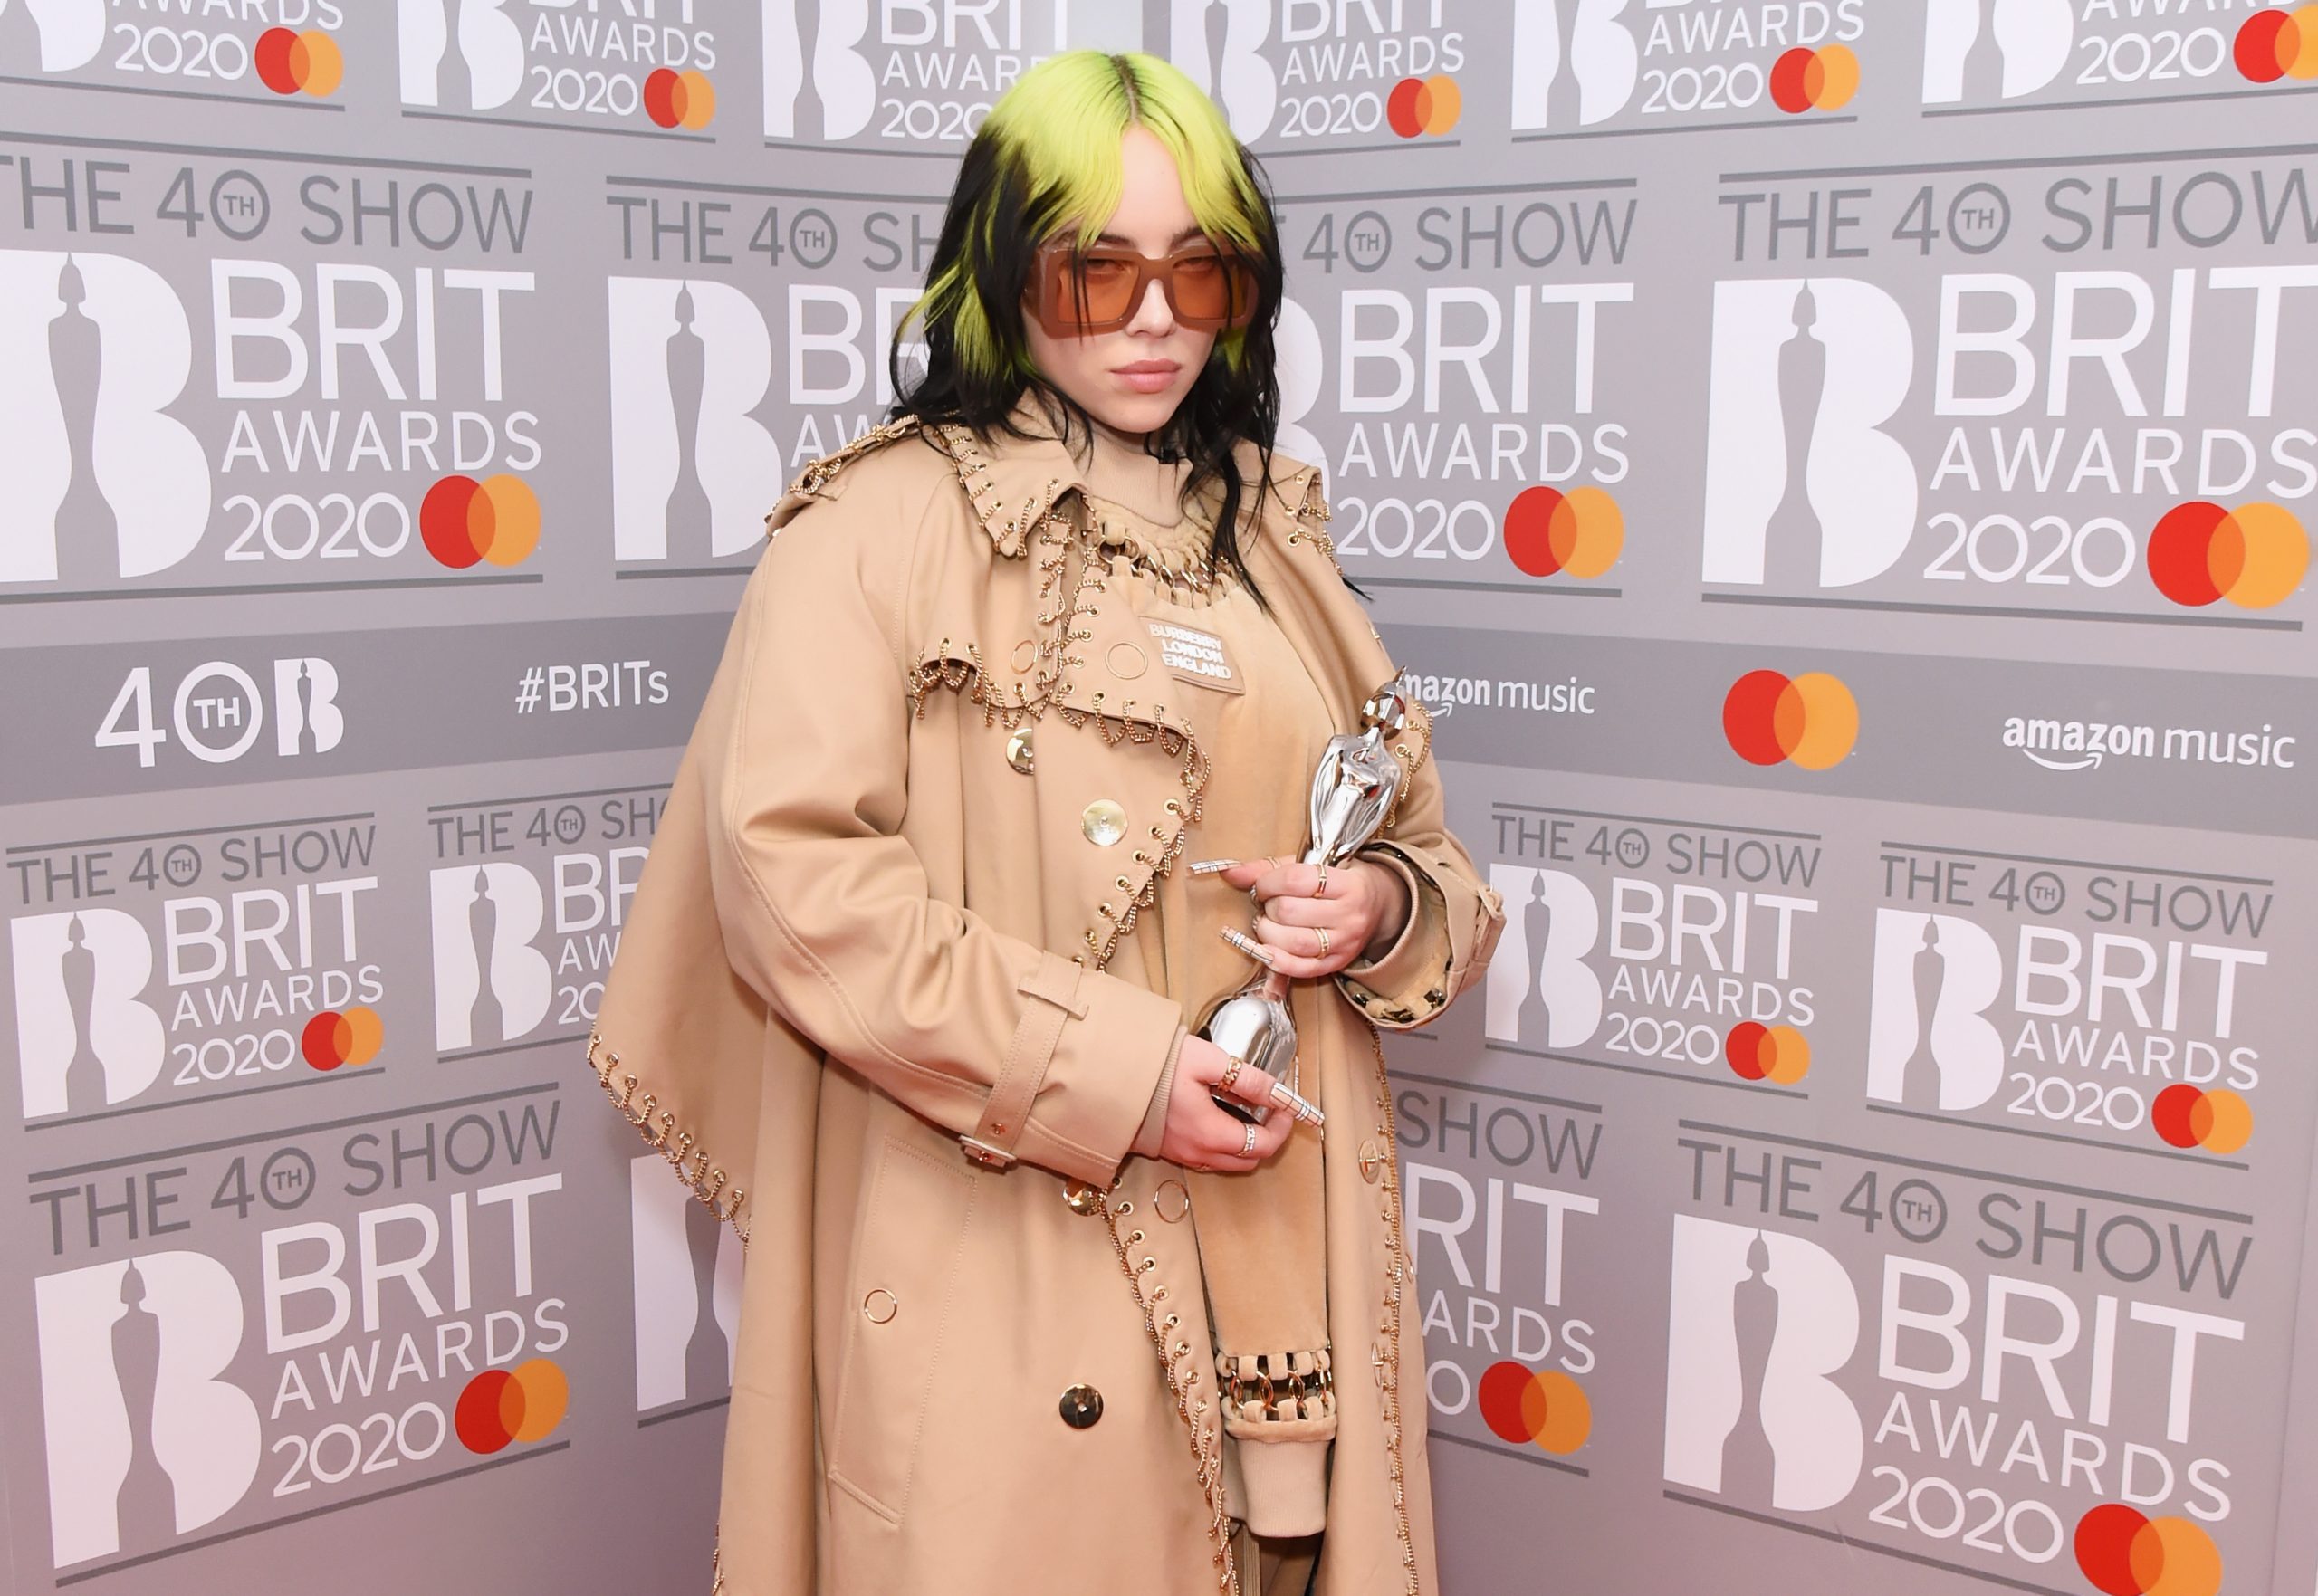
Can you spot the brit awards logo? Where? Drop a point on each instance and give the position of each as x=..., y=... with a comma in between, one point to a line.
x=85, y=1036
x=1296, y=75
x=1579, y=64
x=573, y=66
x=491, y=983
x=144, y=1437
x=247, y=51
x=688, y=1275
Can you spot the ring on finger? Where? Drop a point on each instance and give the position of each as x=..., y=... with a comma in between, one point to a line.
x=1320, y=887
x=1322, y=932
x=1231, y=1073
x=1248, y=1142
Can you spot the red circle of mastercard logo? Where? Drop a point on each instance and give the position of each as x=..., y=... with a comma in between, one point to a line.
x=463, y=520
x=1811, y=720
x=2278, y=43
x=1776, y=1052
x=500, y=1406
x=2254, y=555
x=1418, y=106
x=336, y=1036
x=1545, y=1406
x=679, y=100
x=1814, y=80
x=1547, y=532
x=2125, y=1553
x=291, y=62
x=2218, y=1120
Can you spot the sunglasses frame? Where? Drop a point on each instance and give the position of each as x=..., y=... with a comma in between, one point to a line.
x=1061, y=321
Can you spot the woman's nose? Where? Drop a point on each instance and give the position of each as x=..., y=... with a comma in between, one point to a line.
x=1154, y=315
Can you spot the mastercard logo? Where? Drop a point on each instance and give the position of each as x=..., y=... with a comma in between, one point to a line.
x=1424, y=105
x=1814, y=80
x=463, y=520
x=336, y=1036
x=1776, y=1052
x=2124, y=1553
x=1811, y=721
x=2254, y=555
x=2219, y=1121
x=679, y=100
x=298, y=63
x=500, y=1406
x=2274, y=44
x=1523, y=1406
x=1548, y=532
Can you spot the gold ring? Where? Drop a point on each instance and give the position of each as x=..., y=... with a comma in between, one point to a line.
x=1321, y=890
x=1248, y=1142
x=1323, y=932
x=1231, y=1073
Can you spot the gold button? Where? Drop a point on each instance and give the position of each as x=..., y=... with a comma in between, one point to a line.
x=1372, y=1163
x=1081, y=1406
x=1124, y=660
x=1171, y=1202
x=1082, y=1198
x=1104, y=822
x=879, y=1305
x=1019, y=751
x=1026, y=655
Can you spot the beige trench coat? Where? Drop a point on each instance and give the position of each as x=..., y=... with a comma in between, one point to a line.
x=859, y=1004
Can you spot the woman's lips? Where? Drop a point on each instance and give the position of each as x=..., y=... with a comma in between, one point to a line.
x=1148, y=376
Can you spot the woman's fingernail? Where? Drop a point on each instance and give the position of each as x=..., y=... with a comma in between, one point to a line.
x=1305, y=1112
x=1248, y=945
x=1212, y=867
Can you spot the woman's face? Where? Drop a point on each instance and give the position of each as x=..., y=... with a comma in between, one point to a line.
x=1133, y=379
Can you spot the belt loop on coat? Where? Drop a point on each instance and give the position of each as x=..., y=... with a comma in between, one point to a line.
x=1053, y=987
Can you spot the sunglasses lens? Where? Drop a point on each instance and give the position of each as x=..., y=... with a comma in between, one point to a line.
x=1215, y=287
x=1110, y=288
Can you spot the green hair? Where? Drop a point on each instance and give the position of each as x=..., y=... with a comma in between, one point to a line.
x=1052, y=145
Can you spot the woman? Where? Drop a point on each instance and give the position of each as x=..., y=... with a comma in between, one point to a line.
x=910, y=987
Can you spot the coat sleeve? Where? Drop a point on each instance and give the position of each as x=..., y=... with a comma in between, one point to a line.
x=827, y=910
x=1454, y=916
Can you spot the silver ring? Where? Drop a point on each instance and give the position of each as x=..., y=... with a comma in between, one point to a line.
x=1321, y=890
x=1248, y=1142
x=1322, y=931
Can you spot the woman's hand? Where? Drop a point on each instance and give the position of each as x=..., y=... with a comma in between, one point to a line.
x=1200, y=1136
x=1361, y=912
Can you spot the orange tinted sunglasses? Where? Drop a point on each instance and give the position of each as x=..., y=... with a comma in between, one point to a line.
x=1099, y=290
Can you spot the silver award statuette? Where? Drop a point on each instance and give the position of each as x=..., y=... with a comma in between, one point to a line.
x=1352, y=792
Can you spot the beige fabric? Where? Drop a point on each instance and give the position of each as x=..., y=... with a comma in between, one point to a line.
x=855, y=911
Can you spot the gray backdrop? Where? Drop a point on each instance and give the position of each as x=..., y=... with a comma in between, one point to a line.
x=1838, y=467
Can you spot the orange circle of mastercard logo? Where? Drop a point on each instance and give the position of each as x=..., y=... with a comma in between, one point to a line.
x=1417, y=106
x=679, y=100
x=1814, y=80
x=290, y=62
x=524, y=1403
x=2254, y=555
x=1811, y=720
x=2278, y=43
x=2220, y=1120
x=336, y=1036
x=2124, y=1553
x=1547, y=531
x=463, y=520
x=1776, y=1052
x=1546, y=1407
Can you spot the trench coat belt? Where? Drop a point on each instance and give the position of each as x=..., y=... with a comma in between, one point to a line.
x=1054, y=986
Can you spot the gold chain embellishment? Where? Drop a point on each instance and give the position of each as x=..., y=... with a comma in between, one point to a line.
x=1270, y=1389
x=1316, y=504
x=1207, y=1446
x=1388, y=1365
x=707, y=1181
x=815, y=476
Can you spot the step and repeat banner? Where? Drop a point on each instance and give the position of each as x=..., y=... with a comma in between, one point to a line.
x=1841, y=470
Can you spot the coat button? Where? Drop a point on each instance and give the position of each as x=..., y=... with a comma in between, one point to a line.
x=1082, y=1198
x=879, y=1305
x=1081, y=1406
x=1019, y=751
x=1371, y=1162
x=1104, y=822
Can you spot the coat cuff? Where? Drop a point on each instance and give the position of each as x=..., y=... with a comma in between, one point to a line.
x=1452, y=927
x=1096, y=1094
x=1154, y=1116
